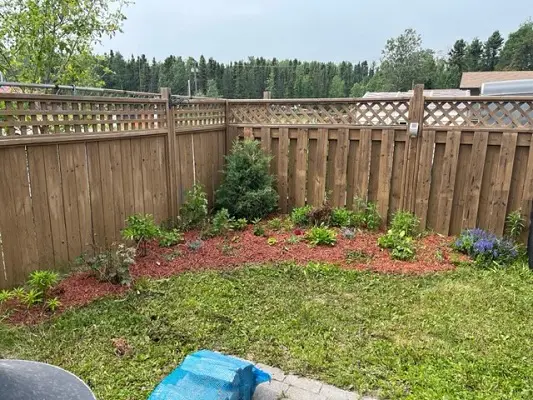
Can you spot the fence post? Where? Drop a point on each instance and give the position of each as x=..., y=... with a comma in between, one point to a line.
x=412, y=150
x=171, y=154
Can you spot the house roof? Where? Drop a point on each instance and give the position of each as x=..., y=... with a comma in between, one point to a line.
x=427, y=93
x=471, y=80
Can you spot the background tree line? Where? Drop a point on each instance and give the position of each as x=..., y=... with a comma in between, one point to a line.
x=404, y=63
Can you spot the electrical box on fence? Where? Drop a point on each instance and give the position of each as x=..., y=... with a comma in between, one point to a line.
x=413, y=129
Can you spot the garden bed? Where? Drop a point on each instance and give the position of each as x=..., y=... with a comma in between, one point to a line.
x=243, y=247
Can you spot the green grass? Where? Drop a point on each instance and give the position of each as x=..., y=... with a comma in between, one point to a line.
x=465, y=334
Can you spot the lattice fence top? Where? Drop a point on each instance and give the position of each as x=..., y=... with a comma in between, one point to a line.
x=49, y=114
x=479, y=112
x=369, y=112
x=202, y=113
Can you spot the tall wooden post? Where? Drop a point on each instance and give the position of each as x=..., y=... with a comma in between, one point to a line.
x=412, y=150
x=171, y=155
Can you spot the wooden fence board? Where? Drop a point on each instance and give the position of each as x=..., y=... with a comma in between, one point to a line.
x=474, y=179
x=396, y=180
x=385, y=173
x=108, y=199
x=353, y=150
x=447, y=187
x=461, y=189
x=362, y=167
x=266, y=140
x=96, y=198
x=311, y=170
x=436, y=180
x=373, y=179
x=301, y=168
x=320, y=170
x=137, y=175
x=41, y=209
x=283, y=166
x=341, y=166
x=83, y=197
x=490, y=171
x=291, y=176
x=527, y=197
x=330, y=166
x=127, y=176
x=502, y=185
x=423, y=186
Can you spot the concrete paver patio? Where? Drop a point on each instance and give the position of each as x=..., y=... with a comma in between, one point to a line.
x=288, y=386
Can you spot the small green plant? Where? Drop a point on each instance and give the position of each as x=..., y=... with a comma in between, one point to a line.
x=357, y=256
x=300, y=215
x=321, y=236
x=239, y=224
x=372, y=218
x=170, y=238
x=193, y=212
x=247, y=188
x=221, y=223
x=272, y=241
x=275, y=224
x=399, y=243
x=404, y=221
x=195, y=245
x=113, y=264
x=341, y=217
x=18, y=293
x=227, y=248
x=32, y=297
x=259, y=229
x=5, y=295
x=172, y=256
x=140, y=229
x=52, y=304
x=515, y=224
x=293, y=239
x=42, y=281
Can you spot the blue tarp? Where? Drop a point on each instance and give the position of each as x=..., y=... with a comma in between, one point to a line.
x=207, y=375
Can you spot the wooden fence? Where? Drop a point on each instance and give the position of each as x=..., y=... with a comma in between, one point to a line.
x=73, y=168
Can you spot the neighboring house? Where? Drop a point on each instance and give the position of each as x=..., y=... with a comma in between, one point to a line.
x=473, y=81
x=427, y=93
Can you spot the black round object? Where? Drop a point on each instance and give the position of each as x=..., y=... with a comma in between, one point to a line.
x=30, y=380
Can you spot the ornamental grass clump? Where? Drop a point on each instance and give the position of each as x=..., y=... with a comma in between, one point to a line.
x=486, y=249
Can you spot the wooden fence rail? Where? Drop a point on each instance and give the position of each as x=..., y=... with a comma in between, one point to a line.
x=73, y=168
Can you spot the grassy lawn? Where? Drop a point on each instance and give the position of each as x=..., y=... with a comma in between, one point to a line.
x=465, y=334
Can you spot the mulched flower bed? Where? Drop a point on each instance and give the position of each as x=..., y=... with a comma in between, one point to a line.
x=236, y=249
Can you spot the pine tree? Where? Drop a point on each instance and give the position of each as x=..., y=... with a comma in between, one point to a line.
x=491, y=55
x=336, y=88
x=212, y=89
x=474, y=56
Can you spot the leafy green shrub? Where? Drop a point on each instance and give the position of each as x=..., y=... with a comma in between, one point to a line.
x=193, y=212
x=113, y=264
x=140, y=229
x=275, y=224
x=247, y=188
x=399, y=243
x=365, y=215
x=341, y=217
x=53, y=304
x=221, y=223
x=515, y=224
x=5, y=295
x=259, y=230
x=170, y=238
x=406, y=222
x=18, y=293
x=43, y=281
x=32, y=297
x=321, y=236
x=239, y=224
x=300, y=215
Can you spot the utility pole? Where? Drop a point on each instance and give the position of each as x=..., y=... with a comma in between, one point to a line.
x=195, y=70
x=189, y=87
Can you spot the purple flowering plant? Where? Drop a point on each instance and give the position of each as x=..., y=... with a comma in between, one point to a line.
x=486, y=248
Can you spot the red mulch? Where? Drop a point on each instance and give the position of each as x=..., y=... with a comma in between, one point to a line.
x=242, y=248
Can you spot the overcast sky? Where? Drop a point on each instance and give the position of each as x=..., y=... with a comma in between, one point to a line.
x=324, y=30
